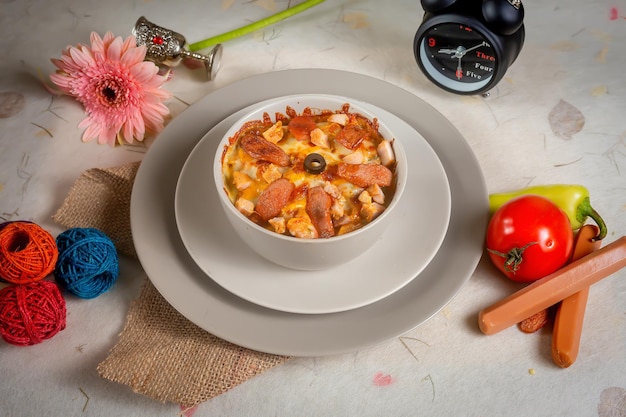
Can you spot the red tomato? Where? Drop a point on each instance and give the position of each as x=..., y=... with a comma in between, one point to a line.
x=529, y=237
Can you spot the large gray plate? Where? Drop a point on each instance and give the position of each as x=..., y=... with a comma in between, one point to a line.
x=176, y=276
x=395, y=259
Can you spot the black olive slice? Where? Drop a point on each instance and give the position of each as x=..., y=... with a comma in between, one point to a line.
x=314, y=163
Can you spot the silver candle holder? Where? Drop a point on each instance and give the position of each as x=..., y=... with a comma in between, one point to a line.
x=166, y=47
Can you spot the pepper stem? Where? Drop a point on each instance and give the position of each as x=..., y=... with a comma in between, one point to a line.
x=585, y=210
x=600, y=222
x=514, y=257
x=244, y=30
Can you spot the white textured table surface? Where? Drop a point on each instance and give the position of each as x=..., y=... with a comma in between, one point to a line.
x=573, y=54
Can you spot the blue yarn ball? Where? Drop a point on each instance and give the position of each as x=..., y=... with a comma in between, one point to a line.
x=87, y=265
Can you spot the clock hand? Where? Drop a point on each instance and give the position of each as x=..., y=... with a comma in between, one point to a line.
x=465, y=51
x=459, y=52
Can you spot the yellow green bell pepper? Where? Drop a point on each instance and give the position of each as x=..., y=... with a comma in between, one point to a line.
x=572, y=199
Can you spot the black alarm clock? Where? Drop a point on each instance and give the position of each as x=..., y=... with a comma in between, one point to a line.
x=466, y=46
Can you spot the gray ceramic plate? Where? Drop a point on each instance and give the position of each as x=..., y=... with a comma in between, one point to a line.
x=390, y=264
x=185, y=286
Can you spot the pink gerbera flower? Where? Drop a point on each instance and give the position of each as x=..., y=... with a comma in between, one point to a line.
x=120, y=91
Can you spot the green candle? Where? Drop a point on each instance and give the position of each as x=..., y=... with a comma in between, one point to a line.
x=253, y=26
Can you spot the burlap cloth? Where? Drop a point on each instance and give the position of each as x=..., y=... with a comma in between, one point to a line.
x=160, y=353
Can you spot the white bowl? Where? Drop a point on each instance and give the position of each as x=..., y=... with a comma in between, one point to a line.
x=300, y=253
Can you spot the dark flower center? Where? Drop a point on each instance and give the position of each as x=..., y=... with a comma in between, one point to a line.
x=109, y=93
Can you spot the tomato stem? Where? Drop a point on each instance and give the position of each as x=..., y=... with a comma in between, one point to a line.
x=514, y=257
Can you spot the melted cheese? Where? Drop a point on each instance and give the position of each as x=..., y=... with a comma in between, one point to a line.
x=348, y=211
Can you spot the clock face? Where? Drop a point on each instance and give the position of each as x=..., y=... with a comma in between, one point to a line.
x=458, y=57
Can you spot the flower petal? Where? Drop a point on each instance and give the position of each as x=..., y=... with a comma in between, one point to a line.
x=153, y=115
x=97, y=45
x=129, y=43
x=81, y=58
x=114, y=51
x=61, y=81
x=108, y=38
x=108, y=135
x=135, y=127
x=134, y=56
x=144, y=73
x=92, y=130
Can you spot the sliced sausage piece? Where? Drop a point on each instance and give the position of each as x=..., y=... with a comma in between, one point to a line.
x=351, y=136
x=274, y=198
x=318, y=204
x=259, y=148
x=301, y=127
x=364, y=175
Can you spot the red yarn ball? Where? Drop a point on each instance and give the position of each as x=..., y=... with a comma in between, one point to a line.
x=28, y=253
x=31, y=313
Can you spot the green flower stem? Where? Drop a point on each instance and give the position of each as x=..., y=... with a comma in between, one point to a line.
x=244, y=30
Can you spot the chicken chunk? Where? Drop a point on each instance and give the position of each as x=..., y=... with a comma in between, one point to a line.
x=278, y=224
x=319, y=138
x=246, y=207
x=241, y=180
x=302, y=227
x=339, y=118
x=271, y=173
x=370, y=211
x=275, y=133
